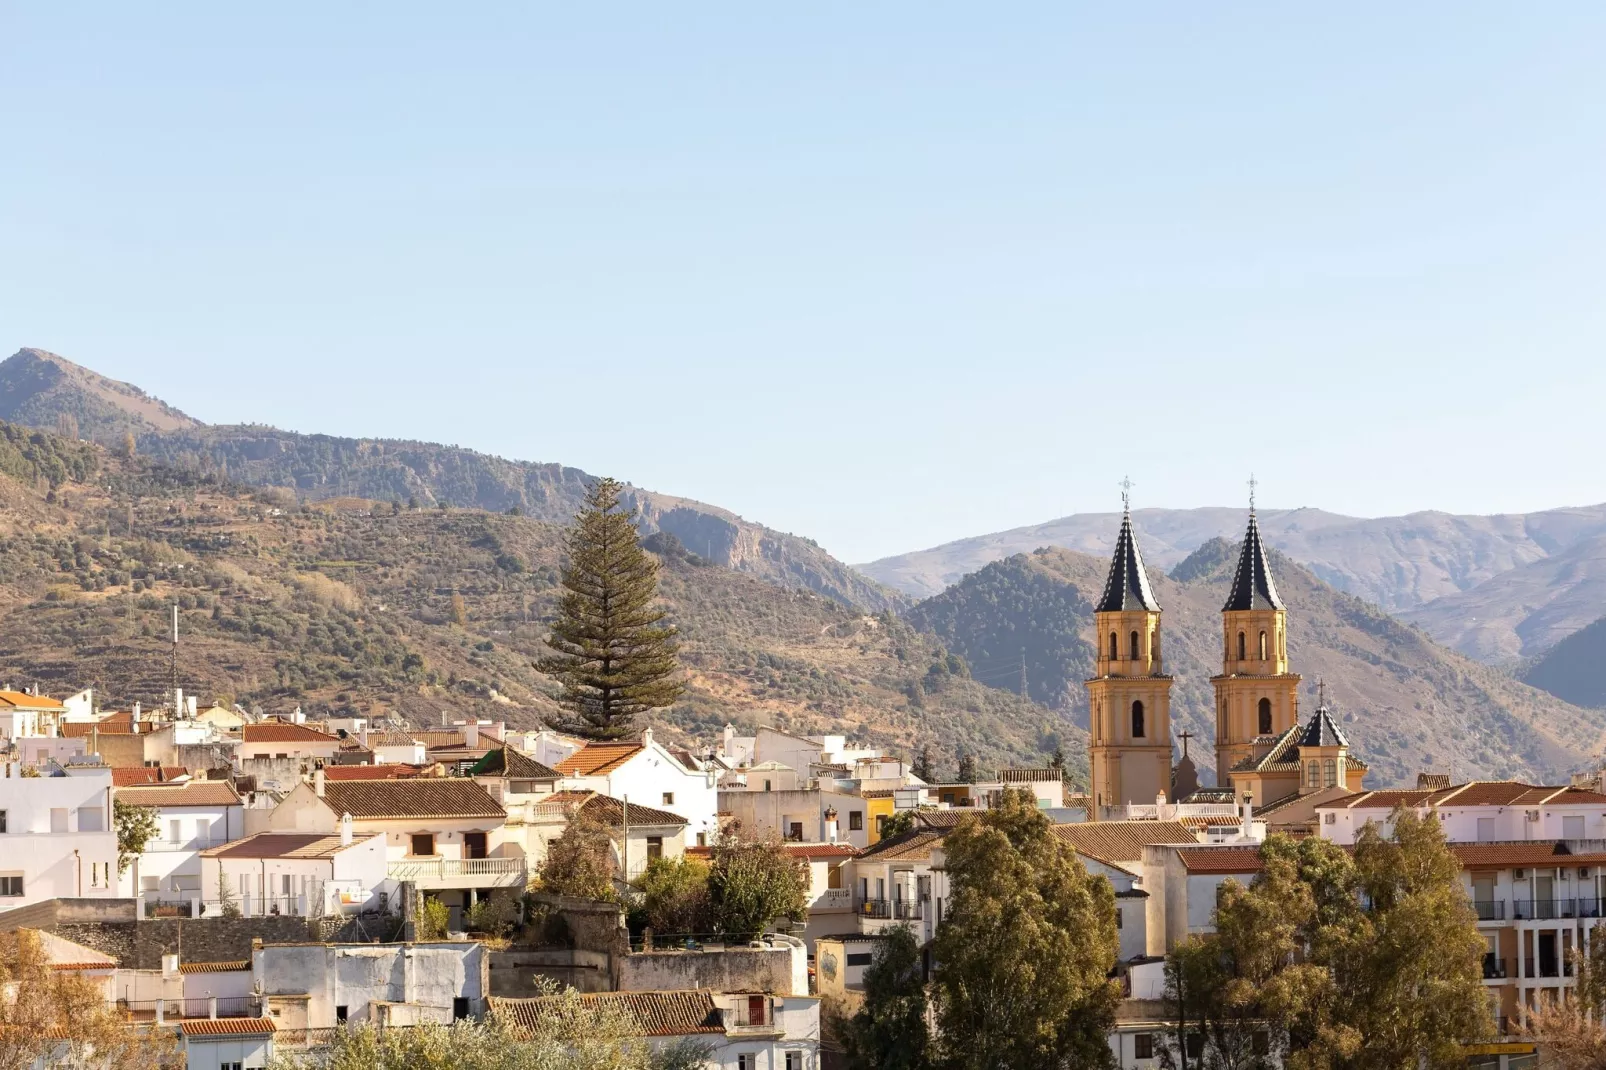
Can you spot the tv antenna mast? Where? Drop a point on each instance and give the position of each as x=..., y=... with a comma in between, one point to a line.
x=173, y=670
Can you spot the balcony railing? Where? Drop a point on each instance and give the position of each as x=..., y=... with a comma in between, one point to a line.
x=834, y=899
x=1490, y=909
x=890, y=909
x=1493, y=968
x=423, y=869
x=1547, y=967
x=1554, y=909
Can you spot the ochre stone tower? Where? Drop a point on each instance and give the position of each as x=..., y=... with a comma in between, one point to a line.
x=1256, y=695
x=1129, y=697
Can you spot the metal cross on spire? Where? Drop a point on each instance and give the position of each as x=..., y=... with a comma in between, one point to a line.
x=1126, y=493
x=1184, y=736
x=1253, y=483
x=1321, y=693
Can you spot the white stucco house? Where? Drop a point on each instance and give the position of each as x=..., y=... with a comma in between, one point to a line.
x=191, y=816
x=56, y=837
x=648, y=774
x=298, y=873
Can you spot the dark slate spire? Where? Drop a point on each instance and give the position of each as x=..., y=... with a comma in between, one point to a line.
x=1322, y=731
x=1128, y=585
x=1252, y=586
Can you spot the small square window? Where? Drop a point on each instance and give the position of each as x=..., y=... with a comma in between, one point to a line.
x=2, y=820
x=340, y=1013
x=1143, y=1046
x=794, y=1060
x=856, y=820
x=1195, y=1045
x=11, y=886
x=423, y=844
x=669, y=798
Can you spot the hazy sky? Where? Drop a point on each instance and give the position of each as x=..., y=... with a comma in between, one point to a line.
x=884, y=275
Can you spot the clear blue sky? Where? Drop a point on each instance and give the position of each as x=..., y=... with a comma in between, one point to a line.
x=885, y=275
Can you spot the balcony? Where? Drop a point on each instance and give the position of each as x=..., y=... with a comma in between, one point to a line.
x=1547, y=966
x=1493, y=968
x=1490, y=909
x=834, y=899
x=441, y=873
x=1555, y=909
x=889, y=909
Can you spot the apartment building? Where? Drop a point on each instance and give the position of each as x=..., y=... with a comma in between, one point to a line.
x=56, y=836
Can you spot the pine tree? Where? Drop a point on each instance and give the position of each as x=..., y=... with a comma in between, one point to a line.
x=612, y=652
x=922, y=766
x=967, y=768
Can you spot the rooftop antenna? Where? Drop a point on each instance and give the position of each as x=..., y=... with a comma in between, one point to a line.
x=173, y=668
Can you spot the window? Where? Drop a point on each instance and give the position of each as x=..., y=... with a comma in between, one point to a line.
x=669, y=798
x=1265, y=716
x=340, y=1013
x=1485, y=829
x=747, y=1062
x=1329, y=772
x=833, y=877
x=881, y=824
x=794, y=1060
x=1115, y=647
x=230, y=1066
x=175, y=831
x=1117, y=917
x=1137, y=720
x=1242, y=650
x=766, y=785
x=1262, y=646
x=459, y=1008
x=284, y=885
x=855, y=820
x=1143, y=1046
x=281, y=757
x=1195, y=1045
x=11, y=885
x=1312, y=774
x=1135, y=646
x=655, y=847
x=1572, y=828
x=795, y=831
x=863, y=958
x=423, y=843
x=2, y=821
x=702, y=839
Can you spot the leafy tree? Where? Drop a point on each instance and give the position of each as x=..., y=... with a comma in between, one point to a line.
x=752, y=883
x=580, y=861
x=1205, y=1002
x=922, y=764
x=1574, y=1031
x=967, y=768
x=675, y=895
x=127, y=449
x=1025, y=949
x=897, y=824
x=1356, y=962
x=136, y=826
x=61, y=1017
x=889, y=1032
x=459, y=611
x=227, y=903
x=433, y=919
x=612, y=653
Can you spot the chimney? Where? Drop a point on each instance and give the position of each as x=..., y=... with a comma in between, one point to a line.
x=191, y=705
x=1248, y=826
x=830, y=824
x=169, y=965
x=345, y=823
x=317, y=781
x=362, y=736
x=646, y=737
x=728, y=740
x=136, y=713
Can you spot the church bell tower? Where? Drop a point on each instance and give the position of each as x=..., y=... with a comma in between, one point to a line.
x=1129, y=696
x=1256, y=696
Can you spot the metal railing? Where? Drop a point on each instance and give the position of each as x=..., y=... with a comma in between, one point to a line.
x=1555, y=909
x=898, y=909
x=1490, y=909
x=1547, y=967
x=203, y=1007
x=1493, y=968
x=443, y=868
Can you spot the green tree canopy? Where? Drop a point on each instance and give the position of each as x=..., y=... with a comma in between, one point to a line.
x=136, y=826
x=752, y=883
x=611, y=651
x=580, y=861
x=1025, y=949
x=889, y=1032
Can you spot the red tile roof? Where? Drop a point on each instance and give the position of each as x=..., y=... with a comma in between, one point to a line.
x=226, y=1027
x=214, y=967
x=382, y=771
x=1030, y=776
x=656, y=1014
x=1122, y=841
x=138, y=775
x=1213, y=860
x=188, y=793
x=83, y=729
x=1473, y=793
x=611, y=810
x=18, y=700
x=284, y=732
x=596, y=759
x=1500, y=855
x=418, y=797
x=815, y=852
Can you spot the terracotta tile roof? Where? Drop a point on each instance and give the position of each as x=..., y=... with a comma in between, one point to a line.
x=515, y=764
x=283, y=845
x=214, y=967
x=1030, y=776
x=1432, y=781
x=444, y=737
x=1473, y=793
x=84, y=729
x=915, y=846
x=1484, y=793
x=877, y=793
x=1283, y=753
x=941, y=819
x=1560, y=797
x=125, y=717
x=612, y=810
x=1211, y=860
x=595, y=759
x=188, y=793
x=1498, y=855
x=656, y=1014
x=137, y=775
x=284, y=732
x=818, y=851
x=18, y=700
x=1122, y=841
x=444, y=797
x=390, y=737
x=226, y=1027
x=110, y=964
x=380, y=771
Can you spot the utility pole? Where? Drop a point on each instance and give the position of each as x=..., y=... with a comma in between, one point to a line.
x=173, y=667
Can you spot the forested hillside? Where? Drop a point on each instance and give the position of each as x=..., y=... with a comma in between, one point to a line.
x=353, y=603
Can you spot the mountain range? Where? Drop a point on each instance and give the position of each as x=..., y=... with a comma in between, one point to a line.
x=1497, y=588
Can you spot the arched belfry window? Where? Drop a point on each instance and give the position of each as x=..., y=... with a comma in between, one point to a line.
x=1265, y=716
x=1262, y=646
x=1115, y=647
x=1136, y=647
x=1137, y=720
x=1330, y=773
x=1312, y=774
x=1243, y=651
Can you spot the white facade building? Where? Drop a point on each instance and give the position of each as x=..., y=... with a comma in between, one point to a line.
x=191, y=816
x=647, y=774
x=56, y=837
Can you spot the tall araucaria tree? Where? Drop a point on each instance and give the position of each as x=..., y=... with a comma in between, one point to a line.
x=611, y=650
